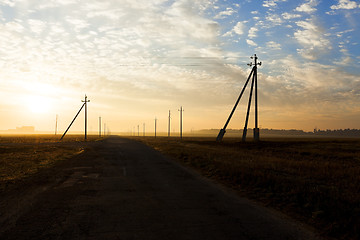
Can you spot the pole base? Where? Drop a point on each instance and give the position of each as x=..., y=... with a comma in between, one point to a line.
x=220, y=135
x=244, y=135
x=256, y=134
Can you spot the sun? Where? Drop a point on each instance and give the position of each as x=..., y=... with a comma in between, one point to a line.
x=38, y=104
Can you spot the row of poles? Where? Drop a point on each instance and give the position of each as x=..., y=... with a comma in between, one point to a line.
x=181, y=110
x=252, y=75
x=84, y=105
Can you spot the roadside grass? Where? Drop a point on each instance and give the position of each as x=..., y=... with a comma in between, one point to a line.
x=23, y=156
x=316, y=181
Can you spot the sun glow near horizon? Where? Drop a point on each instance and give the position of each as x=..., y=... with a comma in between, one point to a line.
x=137, y=60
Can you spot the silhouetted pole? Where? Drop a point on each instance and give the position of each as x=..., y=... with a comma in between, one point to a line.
x=56, y=124
x=181, y=111
x=252, y=74
x=256, y=129
x=169, y=124
x=223, y=130
x=155, y=126
x=248, y=110
x=85, y=101
x=99, y=126
x=138, y=131
x=144, y=129
x=72, y=122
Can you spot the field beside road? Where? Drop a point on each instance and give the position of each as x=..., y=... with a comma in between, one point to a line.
x=314, y=180
x=24, y=155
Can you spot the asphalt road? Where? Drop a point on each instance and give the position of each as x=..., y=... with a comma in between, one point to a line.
x=122, y=189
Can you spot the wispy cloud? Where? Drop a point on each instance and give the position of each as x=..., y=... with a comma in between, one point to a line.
x=311, y=37
x=228, y=12
x=308, y=6
x=345, y=4
x=145, y=56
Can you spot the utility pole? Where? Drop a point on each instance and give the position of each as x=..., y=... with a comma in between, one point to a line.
x=56, y=124
x=138, y=131
x=169, y=124
x=85, y=101
x=181, y=111
x=99, y=126
x=84, y=104
x=256, y=129
x=144, y=129
x=248, y=110
x=254, y=81
x=155, y=126
x=252, y=74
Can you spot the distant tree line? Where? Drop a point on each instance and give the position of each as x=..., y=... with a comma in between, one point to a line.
x=317, y=132
x=293, y=132
x=338, y=132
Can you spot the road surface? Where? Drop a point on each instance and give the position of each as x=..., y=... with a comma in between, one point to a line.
x=122, y=189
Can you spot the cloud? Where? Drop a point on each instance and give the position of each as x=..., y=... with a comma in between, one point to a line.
x=141, y=57
x=239, y=29
x=311, y=37
x=308, y=7
x=275, y=19
x=272, y=3
x=9, y=3
x=290, y=16
x=273, y=45
x=37, y=26
x=252, y=32
x=251, y=42
x=223, y=14
x=269, y=3
x=345, y=4
x=305, y=89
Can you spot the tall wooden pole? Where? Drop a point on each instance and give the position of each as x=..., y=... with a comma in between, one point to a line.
x=155, y=126
x=85, y=101
x=256, y=129
x=169, y=124
x=99, y=126
x=181, y=124
x=248, y=110
x=56, y=124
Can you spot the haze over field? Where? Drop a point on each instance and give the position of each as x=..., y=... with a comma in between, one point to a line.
x=137, y=59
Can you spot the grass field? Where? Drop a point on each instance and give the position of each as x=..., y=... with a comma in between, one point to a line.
x=24, y=155
x=316, y=181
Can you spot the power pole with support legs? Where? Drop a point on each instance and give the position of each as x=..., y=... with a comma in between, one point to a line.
x=252, y=74
x=84, y=104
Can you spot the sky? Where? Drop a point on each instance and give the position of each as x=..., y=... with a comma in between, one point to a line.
x=138, y=59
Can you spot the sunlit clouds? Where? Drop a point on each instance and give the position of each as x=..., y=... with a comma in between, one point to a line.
x=137, y=59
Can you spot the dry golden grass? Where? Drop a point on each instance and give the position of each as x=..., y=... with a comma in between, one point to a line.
x=22, y=156
x=315, y=180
